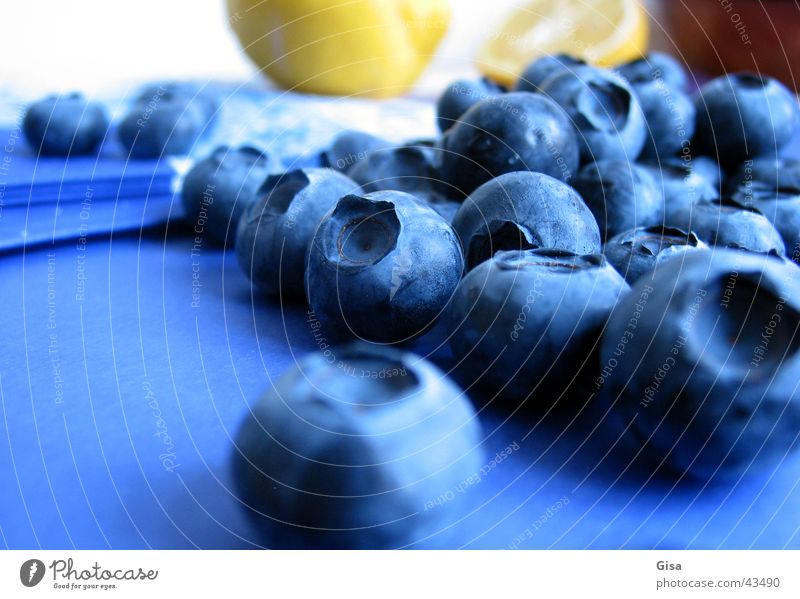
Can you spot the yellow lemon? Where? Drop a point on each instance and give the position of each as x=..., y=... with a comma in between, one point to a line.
x=603, y=32
x=360, y=47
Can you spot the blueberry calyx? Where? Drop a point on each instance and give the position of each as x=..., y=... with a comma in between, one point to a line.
x=365, y=231
x=654, y=240
x=502, y=235
x=604, y=106
x=279, y=191
x=553, y=259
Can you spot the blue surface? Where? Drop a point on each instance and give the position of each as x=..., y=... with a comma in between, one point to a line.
x=120, y=392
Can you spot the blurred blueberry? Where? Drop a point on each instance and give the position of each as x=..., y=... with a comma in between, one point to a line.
x=541, y=69
x=621, y=195
x=603, y=109
x=770, y=171
x=274, y=233
x=404, y=168
x=351, y=446
x=64, y=125
x=526, y=323
x=727, y=222
x=681, y=184
x=640, y=251
x=219, y=189
x=349, y=147
x=524, y=210
x=382, y=266
x=670, y=117
x=656, y=66
x=702, y=362
x=743, y=115
x=513, y=132
x=166, y=120
x=781, y=206
x=461, y=95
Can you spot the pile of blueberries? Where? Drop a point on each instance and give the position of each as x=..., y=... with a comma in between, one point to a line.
x=592, y=239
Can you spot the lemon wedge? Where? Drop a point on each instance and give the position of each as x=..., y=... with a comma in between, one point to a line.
x=602, y=32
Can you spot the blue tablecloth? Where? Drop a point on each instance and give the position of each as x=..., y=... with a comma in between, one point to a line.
x=128, y=361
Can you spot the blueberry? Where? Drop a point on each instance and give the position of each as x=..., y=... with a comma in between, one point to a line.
x=541, y=69
x=770, y=171
x=524, y=210
x=782, y=207
x=641, y=251
x=346, y=453
x=274, y=233
x=670, y=117
x=382, y=266
x=742, y=115
x=621, y=195
x=702, y=362
x=461, y=95
x=514, y=132
x=681, y=184
x=165, y=120
x=654, y=66
x=349, y=147
x=707, y=168
x=218, y=189
x=525, y=323
x=64, y=125
x=604, y=110
x=405, y=168
x=180, y=91
x=727, y=222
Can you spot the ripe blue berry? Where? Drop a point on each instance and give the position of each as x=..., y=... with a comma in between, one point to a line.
x=348, y=448
x=524, y=210
x=382, y=266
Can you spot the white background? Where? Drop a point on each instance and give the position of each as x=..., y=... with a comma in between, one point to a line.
x=97, y=45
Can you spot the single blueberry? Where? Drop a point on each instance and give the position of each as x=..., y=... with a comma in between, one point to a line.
x=350, y=452
x=604, y=111
x=527, y=323
x=514, y=132
x=781, y=206
x=165, y=120
x=727, y=222
x=670, y=117
x=524, y=210
x=349, y=147
x=621, y=195
x=405, y=168
x=773, y=172
x=382, y=266
x=64, y=125
x=274, y=233
x=706, y=167
x=541, y=69
x=701, y=363
x=460, y=96
x=641, y=251
x=189, y=93
x=219, y=189
x=743, y=115
x=655, y=66
x=681, y=184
